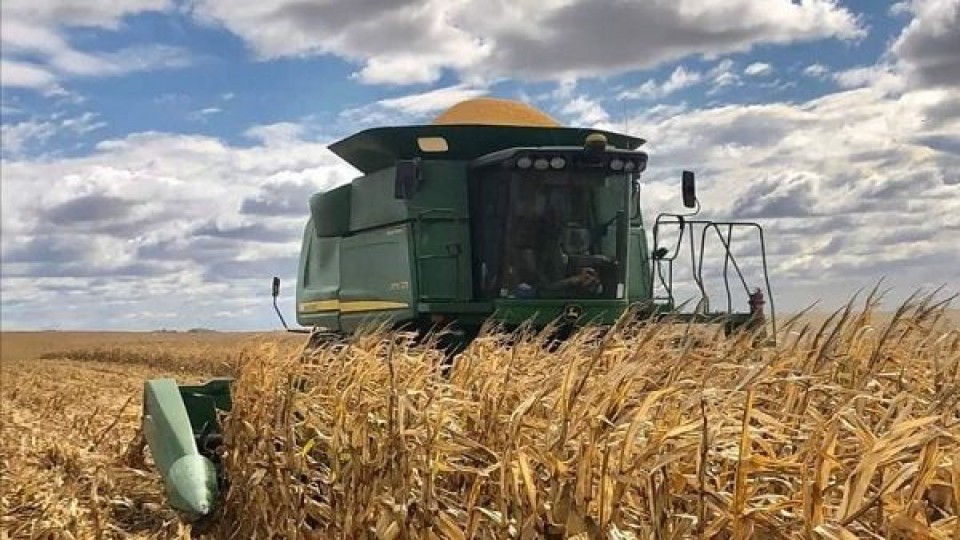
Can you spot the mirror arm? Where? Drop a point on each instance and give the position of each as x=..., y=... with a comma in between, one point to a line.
x=276, y=292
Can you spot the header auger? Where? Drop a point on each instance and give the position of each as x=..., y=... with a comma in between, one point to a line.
x=494, y=212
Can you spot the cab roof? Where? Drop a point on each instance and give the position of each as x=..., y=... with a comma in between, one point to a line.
x=379, y=148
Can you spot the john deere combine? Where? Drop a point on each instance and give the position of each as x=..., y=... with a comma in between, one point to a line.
x=494, y=211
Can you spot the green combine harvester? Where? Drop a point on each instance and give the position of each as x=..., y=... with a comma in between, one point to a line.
x=494, y=212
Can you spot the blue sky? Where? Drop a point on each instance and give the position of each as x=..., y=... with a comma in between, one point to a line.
x=138, y=134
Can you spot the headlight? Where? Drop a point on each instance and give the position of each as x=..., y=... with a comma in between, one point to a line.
x=558, y=162
x=616, y=164
x=524, y=162
x=541, y=164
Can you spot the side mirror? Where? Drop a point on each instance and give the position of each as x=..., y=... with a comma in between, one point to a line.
x=276, y=286
x=407, y=179
x=689, y=188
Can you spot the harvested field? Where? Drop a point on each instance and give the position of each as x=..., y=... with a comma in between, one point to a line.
x=70, y=409
x=847, y=429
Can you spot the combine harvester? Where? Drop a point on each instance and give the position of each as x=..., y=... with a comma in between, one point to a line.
x=494, y=212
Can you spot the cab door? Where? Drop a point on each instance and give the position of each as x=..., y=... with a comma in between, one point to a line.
x=376, y=277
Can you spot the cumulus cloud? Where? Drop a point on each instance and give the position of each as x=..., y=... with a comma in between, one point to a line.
x=851, y=186
x=87, y=208
x=779, y=195
x=285, y=193
x=176, y=212
x=252, y=232
x=929, y=47
x=413, y=42
x=397, y=42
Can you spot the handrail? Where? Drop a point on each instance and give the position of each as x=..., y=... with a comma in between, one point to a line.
x=671, y=255
x=732, y=259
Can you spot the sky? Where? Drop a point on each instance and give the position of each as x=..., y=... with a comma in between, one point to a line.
x=158, y=155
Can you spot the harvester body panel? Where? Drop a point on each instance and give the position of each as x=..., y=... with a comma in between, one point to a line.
x=376, y=276
x=318, y=289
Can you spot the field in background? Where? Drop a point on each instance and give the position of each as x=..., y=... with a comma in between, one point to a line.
x=18, y=346
x=644, y=432
x=70, y=405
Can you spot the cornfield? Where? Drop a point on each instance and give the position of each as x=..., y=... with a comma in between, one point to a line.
x=847, y=428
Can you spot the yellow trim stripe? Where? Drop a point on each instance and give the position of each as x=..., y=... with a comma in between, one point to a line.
x=370, y=305
x=354, y=306
x=320, y=305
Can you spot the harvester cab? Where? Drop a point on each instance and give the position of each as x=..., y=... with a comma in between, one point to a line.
x=494, y=212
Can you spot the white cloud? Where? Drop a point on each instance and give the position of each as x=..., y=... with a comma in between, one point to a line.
x=397, y=42
x=202, y=115
x=413, y=42
x=279, y=134
x=24, y=75
x=723, y=75
x=99, y=13
x=584, y=111
x=36, y=132
x=680, y=78
x=432, y=101
x=816, y=70
x=144, y=58
x=758, y=69
x=929, y=47
x=876, y=76
x=157, y=220
x=826, y=178
x=899, y=8
x=411, y=108
x=16, y=136
x=36, y=53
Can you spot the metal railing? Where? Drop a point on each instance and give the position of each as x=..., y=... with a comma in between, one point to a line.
x=662, y=260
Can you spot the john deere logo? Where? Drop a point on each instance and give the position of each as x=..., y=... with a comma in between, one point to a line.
x=572, y=312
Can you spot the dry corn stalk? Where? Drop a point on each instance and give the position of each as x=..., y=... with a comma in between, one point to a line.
x=849, y=430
